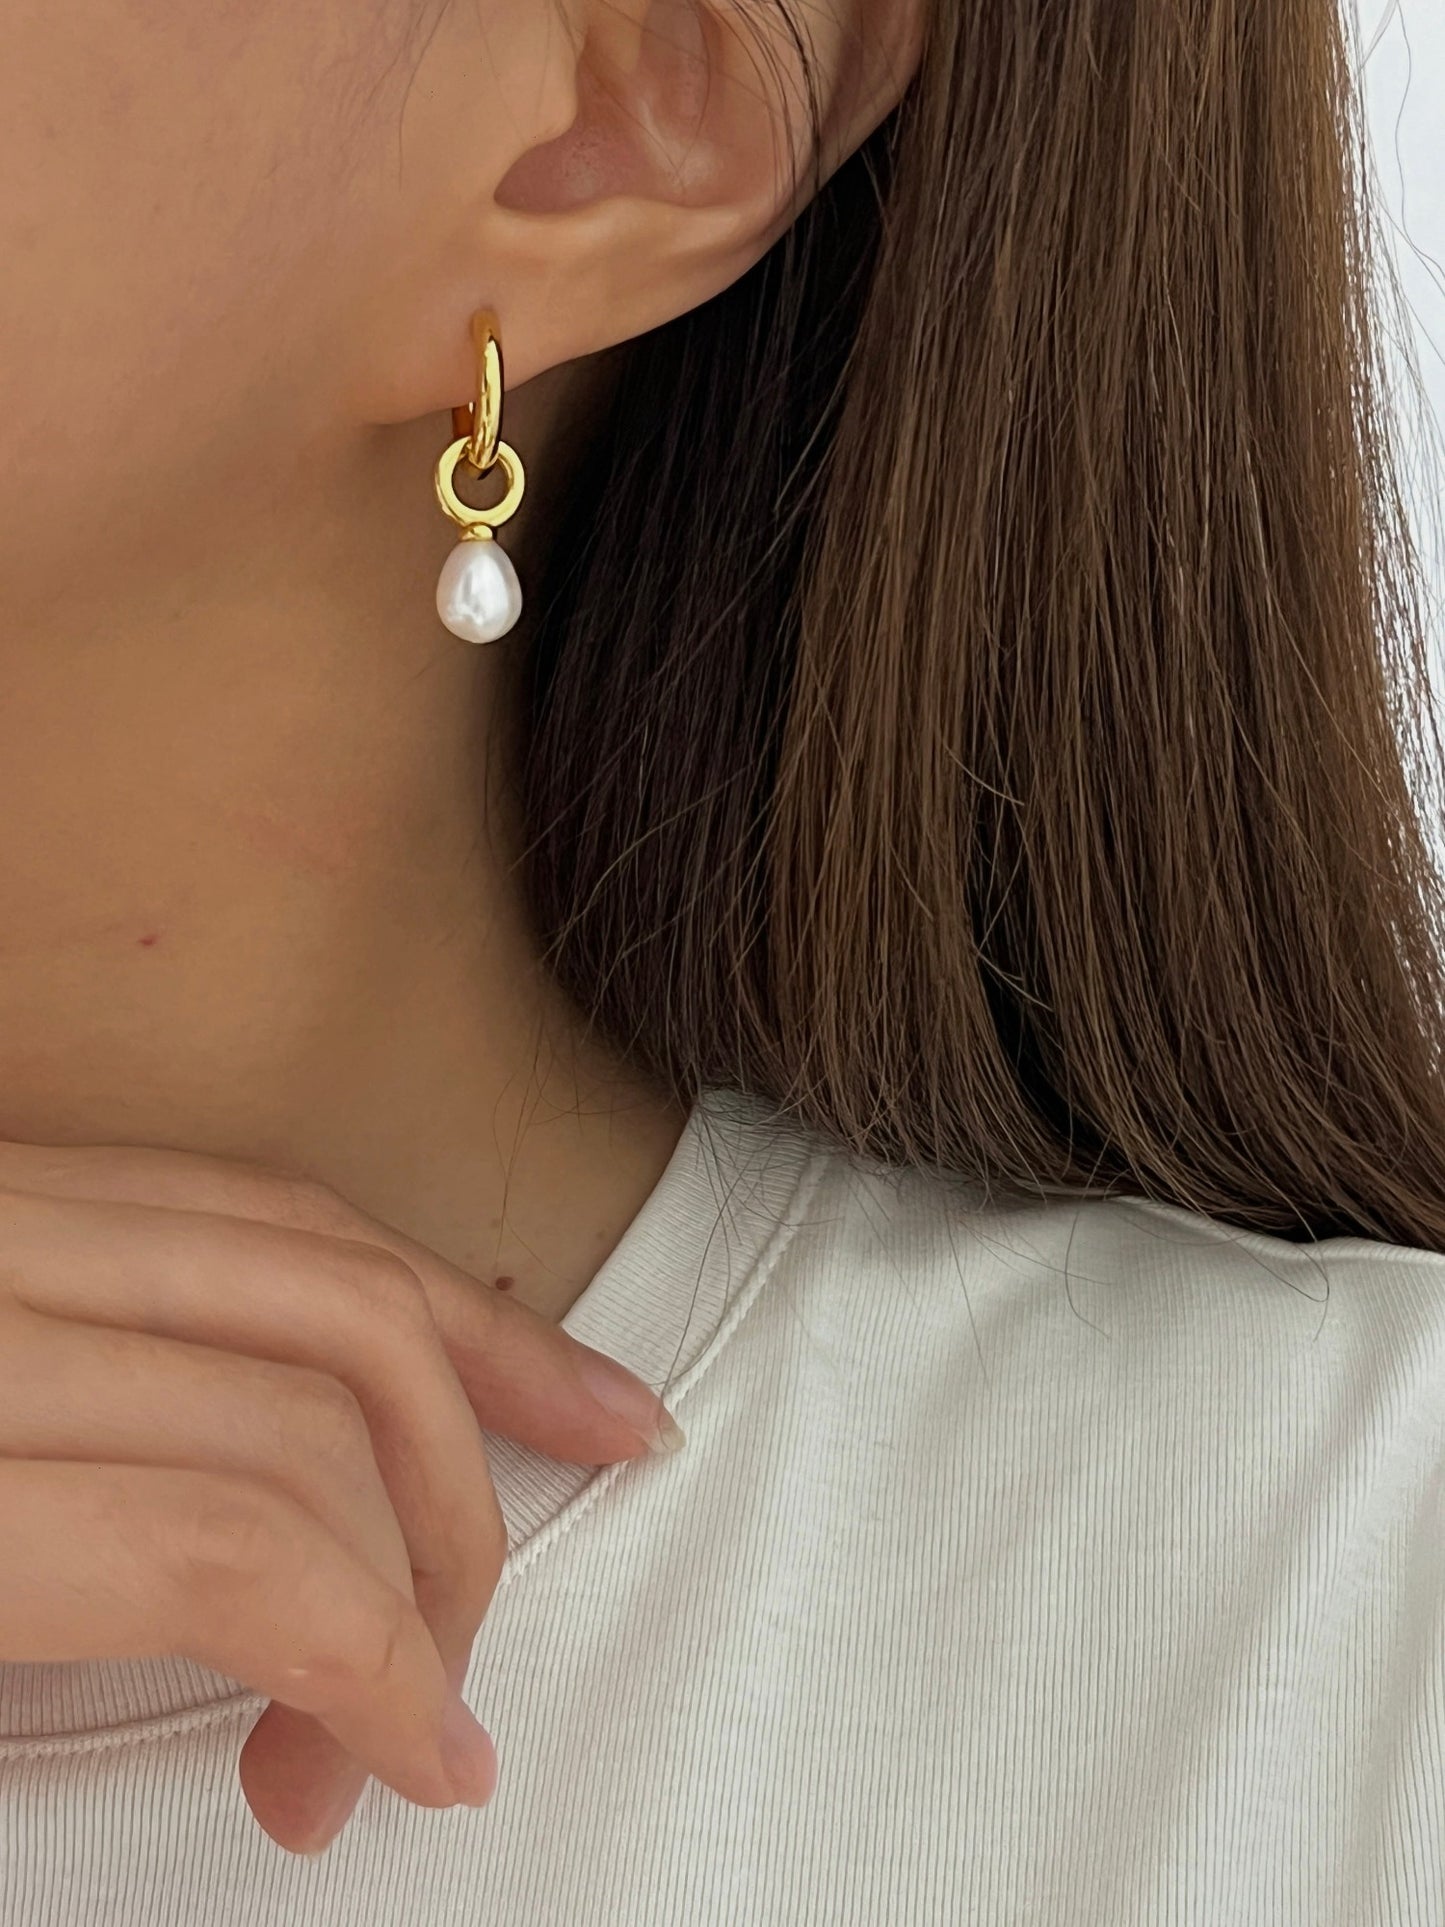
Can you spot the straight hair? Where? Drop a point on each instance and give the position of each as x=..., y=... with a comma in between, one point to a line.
x=983, y=705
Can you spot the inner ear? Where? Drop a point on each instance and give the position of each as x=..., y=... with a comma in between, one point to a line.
x=675, y=102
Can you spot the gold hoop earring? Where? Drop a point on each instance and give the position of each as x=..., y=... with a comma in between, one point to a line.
x=478, y=595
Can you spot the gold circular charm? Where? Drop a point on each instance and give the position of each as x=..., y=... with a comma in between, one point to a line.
x=478, y=523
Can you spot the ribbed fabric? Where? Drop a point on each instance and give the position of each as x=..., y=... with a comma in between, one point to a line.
x=1067, y=1564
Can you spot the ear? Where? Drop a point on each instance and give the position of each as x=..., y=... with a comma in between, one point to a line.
x=691, y=147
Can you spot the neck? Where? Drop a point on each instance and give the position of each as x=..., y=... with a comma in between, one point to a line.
x=256, y=896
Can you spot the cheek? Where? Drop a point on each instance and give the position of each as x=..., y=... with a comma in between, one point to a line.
x=169, y=175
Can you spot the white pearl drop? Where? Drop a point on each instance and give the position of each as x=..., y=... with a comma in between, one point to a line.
x=478, y=595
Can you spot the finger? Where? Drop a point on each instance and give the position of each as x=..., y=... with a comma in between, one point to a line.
x=294, y=1297
x=300, y=1782
x=237, y=1577
x=525, y=1377
x=141, y=1400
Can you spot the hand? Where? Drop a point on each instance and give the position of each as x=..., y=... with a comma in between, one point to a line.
x=239, y=1423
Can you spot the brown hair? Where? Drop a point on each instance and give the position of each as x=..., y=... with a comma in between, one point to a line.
x=978, y=703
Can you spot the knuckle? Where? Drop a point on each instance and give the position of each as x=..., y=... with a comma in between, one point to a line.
x=480, y=1539
x=13, y=1308
x=227, y=1534
x=388, y=1289
x=383, y=1646
x=358, y=1661
x=327, y=1415
x=307, y=1204
x=477, y=1578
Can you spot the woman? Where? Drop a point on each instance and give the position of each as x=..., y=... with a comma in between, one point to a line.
x=891, y=912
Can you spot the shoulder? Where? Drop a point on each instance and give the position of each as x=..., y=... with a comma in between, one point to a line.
x=1098, y=1285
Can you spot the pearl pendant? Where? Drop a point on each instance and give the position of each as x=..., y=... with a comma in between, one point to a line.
x=478, y=595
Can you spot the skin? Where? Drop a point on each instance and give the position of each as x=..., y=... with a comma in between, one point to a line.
x=255, y=902
x=260, y=906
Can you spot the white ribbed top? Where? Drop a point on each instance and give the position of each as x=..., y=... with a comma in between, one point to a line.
x=1048, y=1565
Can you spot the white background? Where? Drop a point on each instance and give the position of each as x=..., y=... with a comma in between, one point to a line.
x=1402, y=45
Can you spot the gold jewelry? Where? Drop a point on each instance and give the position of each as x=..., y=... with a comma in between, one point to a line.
x=478, y=595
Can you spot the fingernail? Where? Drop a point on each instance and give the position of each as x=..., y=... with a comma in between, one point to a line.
x=468, y=1755
x=624, y=1395
x=334, y=1815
